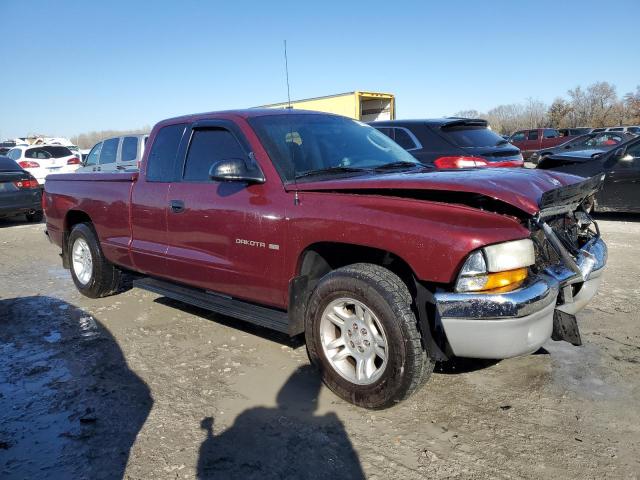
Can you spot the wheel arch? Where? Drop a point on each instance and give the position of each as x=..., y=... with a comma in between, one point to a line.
x=72, y=218
x=320, y=258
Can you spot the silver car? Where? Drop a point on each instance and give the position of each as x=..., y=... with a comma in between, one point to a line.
x=115, y=154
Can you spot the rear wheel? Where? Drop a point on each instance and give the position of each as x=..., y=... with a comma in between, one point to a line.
x=93, y=275
x=362, y=334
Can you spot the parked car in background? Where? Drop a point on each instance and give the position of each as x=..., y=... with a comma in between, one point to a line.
x=115, y=154
x=452, y=142
x=630, y=129
x=621, y=167
x=597, y=142
x=529, y=141
x=20, y=193
x=6, y=146
x=572, y=132
x=42, y=160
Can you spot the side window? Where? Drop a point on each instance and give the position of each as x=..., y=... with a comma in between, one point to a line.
x=634, y=150
x=403, y=139
x=129, y=149
x=109, y=151
x=533, y=135
x=94, y=155
x=518, y=137
x=207, y=147
x=617, y=129
x=550, y=133
x=164, y=150
x=14, y=154
x=386, y=130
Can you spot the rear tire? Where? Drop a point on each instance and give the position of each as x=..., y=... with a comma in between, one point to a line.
x=35, y=217
x=352, y=312
x=93, y=275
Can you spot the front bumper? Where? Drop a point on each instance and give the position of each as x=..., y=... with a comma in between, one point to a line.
x=518, y=322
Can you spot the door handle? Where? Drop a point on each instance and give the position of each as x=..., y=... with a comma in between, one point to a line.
x=177, y=206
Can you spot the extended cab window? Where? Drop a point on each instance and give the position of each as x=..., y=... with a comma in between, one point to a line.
x=94, y=155
x=161, y=162
x=209, y=146
x=533, y=135
x=129, y=149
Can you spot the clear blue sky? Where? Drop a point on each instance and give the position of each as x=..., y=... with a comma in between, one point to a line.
x=75, y=66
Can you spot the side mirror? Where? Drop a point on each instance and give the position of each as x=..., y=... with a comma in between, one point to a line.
x=236, y=170
x=619, y=153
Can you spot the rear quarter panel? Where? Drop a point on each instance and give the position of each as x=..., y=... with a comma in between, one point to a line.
x=105, y=198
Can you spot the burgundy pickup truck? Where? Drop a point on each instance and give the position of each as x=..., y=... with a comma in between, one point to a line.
x=315, y=224
x=529, y=141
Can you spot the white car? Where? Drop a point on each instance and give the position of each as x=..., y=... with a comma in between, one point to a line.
x=43, y=160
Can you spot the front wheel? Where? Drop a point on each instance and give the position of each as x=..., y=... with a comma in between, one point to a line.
x=362, y=334
x=93, y=275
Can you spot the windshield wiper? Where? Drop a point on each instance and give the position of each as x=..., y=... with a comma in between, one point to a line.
x=336, y=169
x=501, y=142
x=393, y=165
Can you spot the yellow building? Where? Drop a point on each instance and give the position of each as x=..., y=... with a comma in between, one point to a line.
x=365, y=106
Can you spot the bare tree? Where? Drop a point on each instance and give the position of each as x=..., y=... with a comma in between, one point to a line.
x=89, y=139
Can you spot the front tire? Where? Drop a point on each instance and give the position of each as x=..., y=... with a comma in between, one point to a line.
x=362, y=335
x=93, y=275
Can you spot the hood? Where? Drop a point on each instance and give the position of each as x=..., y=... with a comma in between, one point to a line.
x=581, y=154
x=518, y=187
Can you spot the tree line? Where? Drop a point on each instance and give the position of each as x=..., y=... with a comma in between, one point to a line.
x=89, y=139
x=597, y=105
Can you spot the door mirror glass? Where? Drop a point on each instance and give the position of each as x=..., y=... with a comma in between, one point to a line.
x=619, y=153
x=236, y=170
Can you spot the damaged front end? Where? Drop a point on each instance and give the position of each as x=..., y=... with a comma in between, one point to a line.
x=569, y=260
x=569, y=248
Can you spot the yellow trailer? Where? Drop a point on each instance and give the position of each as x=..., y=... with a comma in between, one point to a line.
x=365, y=106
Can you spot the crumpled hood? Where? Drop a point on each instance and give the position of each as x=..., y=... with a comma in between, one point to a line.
x=519, y=187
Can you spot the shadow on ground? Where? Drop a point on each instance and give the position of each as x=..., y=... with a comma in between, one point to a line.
x=288, y=441
x=70, y=407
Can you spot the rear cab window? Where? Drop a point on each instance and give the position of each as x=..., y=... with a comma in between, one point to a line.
x=161, y=162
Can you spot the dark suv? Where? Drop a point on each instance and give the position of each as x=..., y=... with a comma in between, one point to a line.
x=452, y=142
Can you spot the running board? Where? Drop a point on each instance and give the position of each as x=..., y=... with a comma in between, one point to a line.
x=262, y=316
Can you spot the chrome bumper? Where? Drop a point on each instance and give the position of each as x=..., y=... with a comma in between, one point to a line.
x=518, y=322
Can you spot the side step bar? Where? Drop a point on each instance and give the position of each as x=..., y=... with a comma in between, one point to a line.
x=262, y=316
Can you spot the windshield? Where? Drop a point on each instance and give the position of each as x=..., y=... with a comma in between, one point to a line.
x=302, y=143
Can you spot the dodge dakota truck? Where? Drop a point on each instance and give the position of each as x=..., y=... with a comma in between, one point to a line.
x=315, y=224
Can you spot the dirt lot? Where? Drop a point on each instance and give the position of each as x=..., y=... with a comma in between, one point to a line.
x=141, y=387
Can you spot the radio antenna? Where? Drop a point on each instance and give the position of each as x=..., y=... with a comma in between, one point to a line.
x=286, y=71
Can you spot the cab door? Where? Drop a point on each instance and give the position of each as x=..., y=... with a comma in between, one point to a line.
x=149, y=242
x=225, y=237
x=621, y=189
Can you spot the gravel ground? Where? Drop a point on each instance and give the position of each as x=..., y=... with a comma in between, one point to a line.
x=140, y=387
